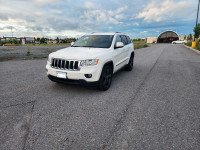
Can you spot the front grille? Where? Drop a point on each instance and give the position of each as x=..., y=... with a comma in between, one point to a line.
x=65, y=64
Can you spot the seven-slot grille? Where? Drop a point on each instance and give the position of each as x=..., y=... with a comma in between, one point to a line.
x=65, y=64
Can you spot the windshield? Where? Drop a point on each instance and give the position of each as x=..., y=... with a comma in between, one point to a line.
x=97, y=41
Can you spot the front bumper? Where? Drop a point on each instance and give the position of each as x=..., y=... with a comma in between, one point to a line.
x=77, y=75
x=69, y=81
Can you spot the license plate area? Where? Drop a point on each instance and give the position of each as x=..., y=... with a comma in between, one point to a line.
x=62, y=75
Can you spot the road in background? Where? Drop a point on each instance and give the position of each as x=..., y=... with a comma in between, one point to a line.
x=156, y=106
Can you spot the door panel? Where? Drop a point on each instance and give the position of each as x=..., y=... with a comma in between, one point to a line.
x=118, y=54
x=125, y=50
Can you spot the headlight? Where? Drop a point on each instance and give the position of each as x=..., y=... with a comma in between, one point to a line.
x=89, y=62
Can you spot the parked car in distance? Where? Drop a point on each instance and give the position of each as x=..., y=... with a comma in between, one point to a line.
x=92, y=60
x=179, y=42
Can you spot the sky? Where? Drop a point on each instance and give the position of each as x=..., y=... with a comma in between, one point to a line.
x=74, y=18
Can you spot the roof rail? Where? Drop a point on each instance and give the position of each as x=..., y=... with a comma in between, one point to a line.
x=118, y=32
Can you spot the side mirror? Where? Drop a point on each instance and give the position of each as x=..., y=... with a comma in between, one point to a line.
x=119, y=45
x=72, y=43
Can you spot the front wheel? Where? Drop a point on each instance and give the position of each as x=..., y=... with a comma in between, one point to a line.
x=106, y=78
x=129, y=66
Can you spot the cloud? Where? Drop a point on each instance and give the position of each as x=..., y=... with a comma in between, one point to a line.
x=3, y=16
x=159, y=11
x=144, y=32
x=106, y=16
x=119, y=16
x=63, y=17
x=44, y=1
x=136, y=24
x=121, y=9
x=89, y=5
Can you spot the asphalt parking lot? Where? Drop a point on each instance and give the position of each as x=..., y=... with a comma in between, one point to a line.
x=20, y=52
x=156, y=106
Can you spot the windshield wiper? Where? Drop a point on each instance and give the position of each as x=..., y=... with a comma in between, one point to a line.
x=90, y=46
x=75, y=46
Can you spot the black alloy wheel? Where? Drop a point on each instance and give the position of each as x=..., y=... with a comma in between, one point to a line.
x=129, y=66
x=106, y=78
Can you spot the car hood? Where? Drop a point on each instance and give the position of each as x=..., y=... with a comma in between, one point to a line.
x=79, y=53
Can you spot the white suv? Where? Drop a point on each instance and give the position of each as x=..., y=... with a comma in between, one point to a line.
x=92, y=60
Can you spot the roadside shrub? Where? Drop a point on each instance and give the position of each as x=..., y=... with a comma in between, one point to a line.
x=15, y=41
x=189, y=44
x=138, y=46
x=28, y=53
x=198, y=48
x=198, y=45
x=10, y=41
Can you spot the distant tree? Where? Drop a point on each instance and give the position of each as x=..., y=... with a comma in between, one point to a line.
x=185, y=37
x=15, y=41
x=197, y=31
x=42, y=40
x=38, y=39
x=10, y=41
x=57, y=40
x=189, y=37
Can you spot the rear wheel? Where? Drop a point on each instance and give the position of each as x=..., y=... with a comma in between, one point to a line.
x=106, y=78
x=129, y=66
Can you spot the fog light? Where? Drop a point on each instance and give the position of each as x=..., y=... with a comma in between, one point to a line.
x=88, y=75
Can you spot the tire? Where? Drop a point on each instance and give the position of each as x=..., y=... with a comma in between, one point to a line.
x=106, y=78
x=129, y=66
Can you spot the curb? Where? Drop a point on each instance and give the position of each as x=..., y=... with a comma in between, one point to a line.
x=192, y=49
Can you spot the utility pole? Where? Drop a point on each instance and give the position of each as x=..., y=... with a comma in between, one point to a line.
x=197, y=16
x=11, y=31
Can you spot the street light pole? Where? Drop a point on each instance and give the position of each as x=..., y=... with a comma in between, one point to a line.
x=197, y=16
x=11, y=31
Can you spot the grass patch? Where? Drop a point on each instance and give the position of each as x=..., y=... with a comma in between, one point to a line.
x=28, y=53
x=6, y=58
x=40, y=57
x=139, y=42
x=50, y=51
x=198, y=48
x=138, y=46
x=9, y=44
x=188, y=44
x=57, y=44
x=197, y=45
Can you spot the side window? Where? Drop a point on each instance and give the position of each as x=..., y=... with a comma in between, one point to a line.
x=129, y=40
x=124, y=40
x=118, y=39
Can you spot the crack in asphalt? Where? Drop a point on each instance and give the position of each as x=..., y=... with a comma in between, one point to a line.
x=29, y=127
x=123, y=115
x=17, y=104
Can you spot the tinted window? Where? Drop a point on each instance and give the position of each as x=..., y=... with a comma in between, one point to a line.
x=124, y=40
x=129, y=40
x=118, y=39
x=97, y=41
